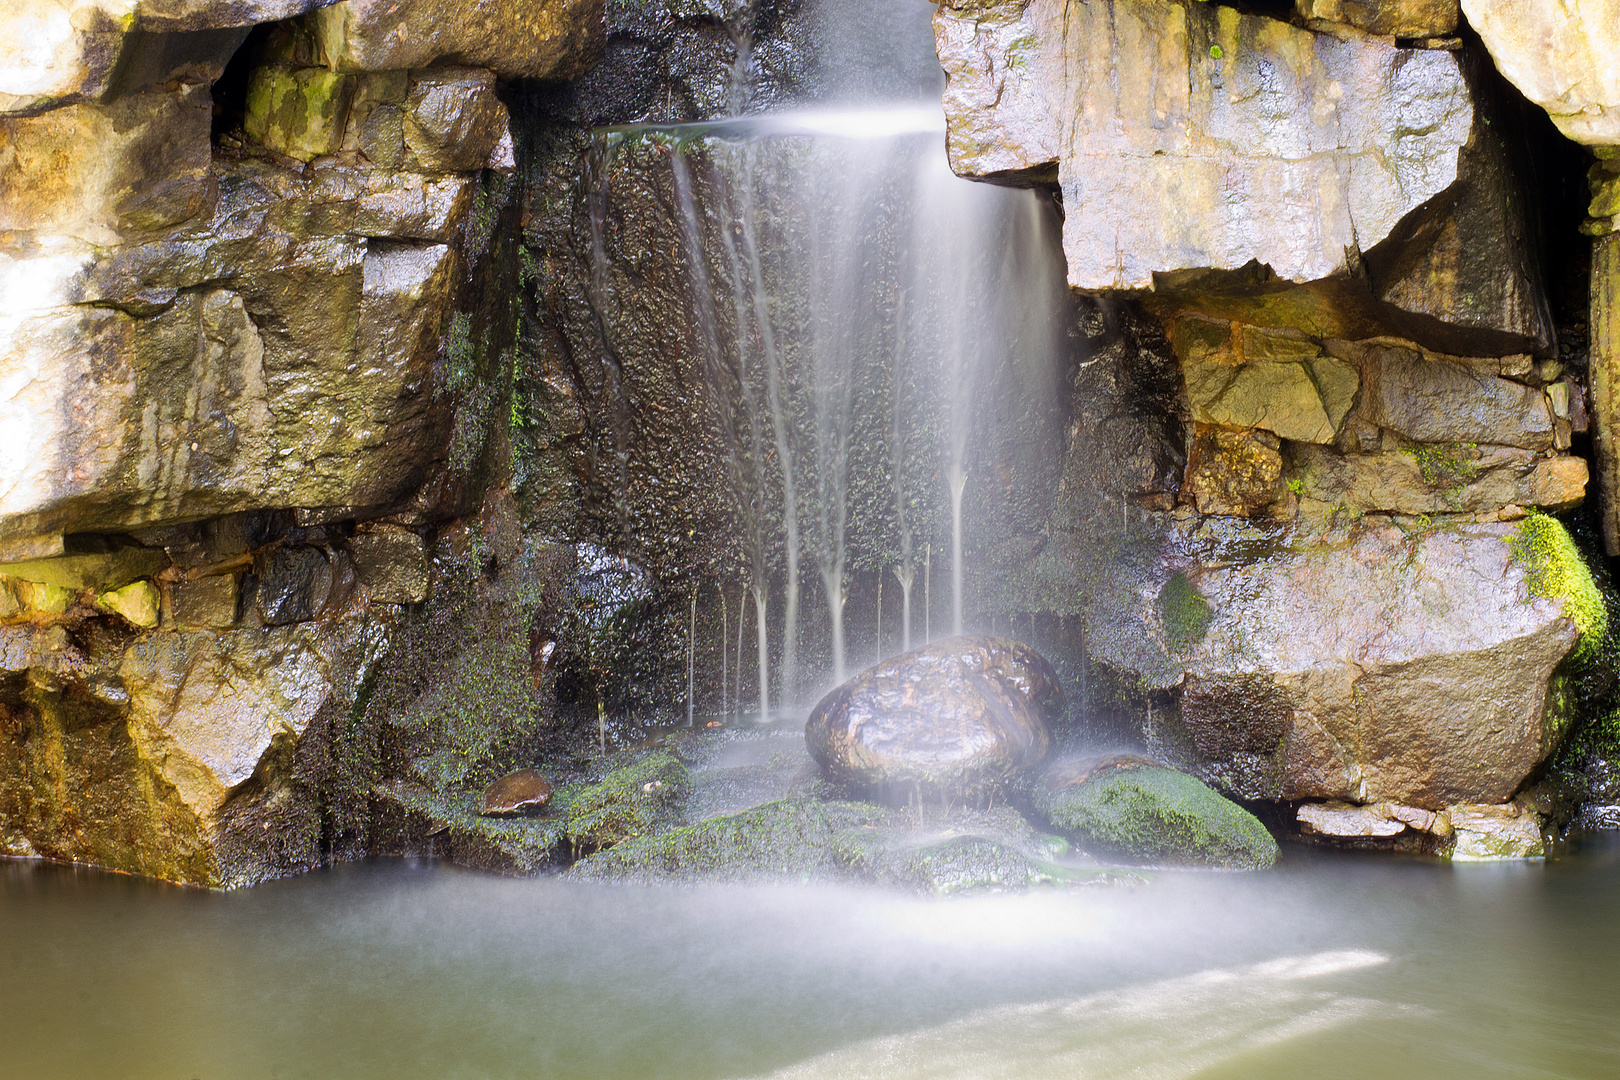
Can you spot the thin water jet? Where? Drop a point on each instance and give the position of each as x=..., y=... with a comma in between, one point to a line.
x=958, y=484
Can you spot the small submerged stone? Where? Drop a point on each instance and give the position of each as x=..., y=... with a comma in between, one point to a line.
x=964, y=717
x=516, y=794
x=1127, y=805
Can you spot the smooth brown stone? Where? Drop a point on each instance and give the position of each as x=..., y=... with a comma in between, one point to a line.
x=515, y=794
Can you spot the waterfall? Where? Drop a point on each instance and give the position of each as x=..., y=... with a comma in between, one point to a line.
x=868, y=324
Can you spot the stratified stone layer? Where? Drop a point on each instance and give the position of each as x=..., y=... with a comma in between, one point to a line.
x=1185, y=135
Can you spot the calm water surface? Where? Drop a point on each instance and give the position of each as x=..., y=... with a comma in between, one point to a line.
x=1326, y=967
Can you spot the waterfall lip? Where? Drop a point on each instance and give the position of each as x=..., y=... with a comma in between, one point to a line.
x=866, y=123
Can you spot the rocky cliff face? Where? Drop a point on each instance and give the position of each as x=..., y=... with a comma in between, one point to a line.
x=231, y=373
x=1338, y=232
x=357, y=445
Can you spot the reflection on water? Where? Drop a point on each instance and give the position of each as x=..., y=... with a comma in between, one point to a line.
x=1327, y=967
x=1170, y=1028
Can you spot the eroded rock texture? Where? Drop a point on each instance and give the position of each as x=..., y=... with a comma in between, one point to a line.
x=1188, y=135
x=236, y=331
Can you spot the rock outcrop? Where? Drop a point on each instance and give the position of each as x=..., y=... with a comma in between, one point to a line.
x=1370, y=664
x=1386, y=18
x=1464, y=832
x=1186, y=135
x=227, y=337
x=1561, y=55
x=1288, y=423
x=964, y=717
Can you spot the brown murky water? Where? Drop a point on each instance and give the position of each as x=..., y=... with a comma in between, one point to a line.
x=1326, y=967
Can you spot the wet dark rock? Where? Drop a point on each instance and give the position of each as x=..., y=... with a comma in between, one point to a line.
x=294, y=583
x=410, y=820
x=964, y=717
x=391, y=563
x=1126, y=805
x=516, y=794
x=204, y=603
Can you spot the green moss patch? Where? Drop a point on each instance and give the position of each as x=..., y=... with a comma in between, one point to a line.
x=1185, y=612
x=633, y=801
x=1554, y=570
x=1160, y=815
x=788, y=840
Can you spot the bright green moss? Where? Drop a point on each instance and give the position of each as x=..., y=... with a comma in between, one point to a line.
x=1447, y=467
x=1554, y=570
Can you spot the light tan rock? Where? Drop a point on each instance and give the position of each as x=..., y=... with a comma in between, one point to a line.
x=1492, y=832
x=138, y=603
x=1392, y=18
x=517, y=39
x=108, y=568
x=1437, y=479
x=1341, y=819
x=1247, y=377
x=1562, y=55
x=130, y=761
x=74, y=52
x=1186, y=135
x=189, y=407
x=90, y=172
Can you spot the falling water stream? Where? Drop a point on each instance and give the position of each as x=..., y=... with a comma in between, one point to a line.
x=866, y=318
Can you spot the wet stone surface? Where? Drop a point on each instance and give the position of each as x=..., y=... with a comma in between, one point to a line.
x=516, y=794
x=965, y=717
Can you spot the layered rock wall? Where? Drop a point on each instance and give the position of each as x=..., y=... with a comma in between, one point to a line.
x=230, y=396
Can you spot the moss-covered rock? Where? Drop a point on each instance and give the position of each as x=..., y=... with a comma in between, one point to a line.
x=958, y=864
x=1160, y=815
x=411, y=820
x=1555, y=570
x=787, y=840
x=632, y=801
x=806, y=839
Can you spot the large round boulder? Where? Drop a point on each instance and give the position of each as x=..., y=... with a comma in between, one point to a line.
x=1128, y=806
x=961, y=718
